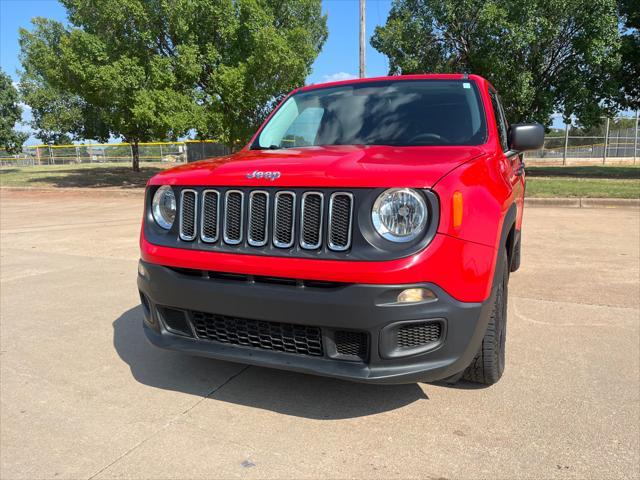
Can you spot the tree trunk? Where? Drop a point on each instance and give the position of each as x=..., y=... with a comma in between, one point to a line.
x=135, y=154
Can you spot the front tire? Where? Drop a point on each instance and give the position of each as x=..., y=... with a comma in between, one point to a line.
x=488, y=365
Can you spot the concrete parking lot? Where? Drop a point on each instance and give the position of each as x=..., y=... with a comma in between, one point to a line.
x=83, y=395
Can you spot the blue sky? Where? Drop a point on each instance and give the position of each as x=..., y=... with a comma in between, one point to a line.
x=338, y=60
x=18, y=13
x=339, y=55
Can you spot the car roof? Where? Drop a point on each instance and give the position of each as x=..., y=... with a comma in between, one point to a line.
x=423, y=76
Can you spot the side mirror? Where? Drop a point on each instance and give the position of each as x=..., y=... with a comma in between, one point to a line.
x=525, y=136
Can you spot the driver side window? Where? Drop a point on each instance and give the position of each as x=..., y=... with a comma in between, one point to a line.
x=501, y=121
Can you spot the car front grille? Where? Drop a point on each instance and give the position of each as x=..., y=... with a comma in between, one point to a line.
x=281, y=337
x=277, y=219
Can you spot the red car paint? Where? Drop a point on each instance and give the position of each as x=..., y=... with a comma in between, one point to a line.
x=460, y=260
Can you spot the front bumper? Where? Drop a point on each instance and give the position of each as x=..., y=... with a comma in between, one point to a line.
x=351, y=307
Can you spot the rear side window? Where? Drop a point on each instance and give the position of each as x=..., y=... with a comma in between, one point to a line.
x=501, y=121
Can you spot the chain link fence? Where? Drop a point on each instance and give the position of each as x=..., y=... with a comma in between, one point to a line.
x=168, y=152
x=616, y=141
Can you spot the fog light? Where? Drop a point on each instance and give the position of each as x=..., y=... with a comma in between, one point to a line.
x=142, y=271
x=415, y=295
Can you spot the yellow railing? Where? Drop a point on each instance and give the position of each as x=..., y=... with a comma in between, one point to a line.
x=173, y=152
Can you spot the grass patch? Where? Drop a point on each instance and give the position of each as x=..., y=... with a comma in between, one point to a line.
x=591, y=181
x=87, y=175
x=604, y=171
x=582, y=187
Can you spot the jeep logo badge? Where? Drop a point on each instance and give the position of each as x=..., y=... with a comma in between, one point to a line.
x=268, y=175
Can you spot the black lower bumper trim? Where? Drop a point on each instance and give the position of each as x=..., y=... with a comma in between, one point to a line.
x=352, y=308
x=276, y=336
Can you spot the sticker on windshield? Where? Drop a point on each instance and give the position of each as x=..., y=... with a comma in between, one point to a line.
x=466, y=85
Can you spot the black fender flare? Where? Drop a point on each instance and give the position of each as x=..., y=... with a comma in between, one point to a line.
x=507, y=225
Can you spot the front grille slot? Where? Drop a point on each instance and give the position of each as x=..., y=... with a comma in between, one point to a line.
x=281, y=337
x=311, y=220
x=258, y=213
x=419, y=334
x=351, y=344
x=188, y=215
x=233, y=217
x=210, y=215
x=340, y=218
x=284, y=219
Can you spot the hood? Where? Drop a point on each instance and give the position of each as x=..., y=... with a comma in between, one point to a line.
x=332, y=166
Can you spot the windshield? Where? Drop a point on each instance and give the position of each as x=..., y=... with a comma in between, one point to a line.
x=396, y=112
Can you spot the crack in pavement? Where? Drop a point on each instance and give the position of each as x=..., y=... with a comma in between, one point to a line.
x=566, y=302
x=570, y=324
x=49, y=253
x=171, y=422
x=50, y=228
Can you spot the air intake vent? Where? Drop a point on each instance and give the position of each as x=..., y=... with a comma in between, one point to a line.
x=311, y=221
x=284, y=219
x=282, y=337
x=351, y=344
x=188, y=215
x=210, y=215
x=233, y=217
x=419, y=334
x=258, y=213
x=340, y=217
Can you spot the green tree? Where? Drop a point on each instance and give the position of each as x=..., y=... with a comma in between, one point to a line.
x=630, y=52
x=246, y=57
x=10, y=114
x=157, y=69
x=541, y=55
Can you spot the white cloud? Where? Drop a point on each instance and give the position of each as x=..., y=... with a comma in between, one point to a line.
x=336, y=77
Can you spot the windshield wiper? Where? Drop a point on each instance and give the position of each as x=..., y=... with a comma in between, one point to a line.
x=270, y=147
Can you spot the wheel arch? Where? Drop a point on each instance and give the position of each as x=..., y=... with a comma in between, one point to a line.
x=507, y=240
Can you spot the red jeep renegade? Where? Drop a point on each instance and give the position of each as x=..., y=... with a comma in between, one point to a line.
x=366, y=232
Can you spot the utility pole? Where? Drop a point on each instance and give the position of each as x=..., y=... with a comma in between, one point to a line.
x=362, y=37
x=635, y=138
x=566, y=144
x=606, y=142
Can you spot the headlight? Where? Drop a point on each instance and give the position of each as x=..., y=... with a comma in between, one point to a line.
x=399, y=214
x=164, y=207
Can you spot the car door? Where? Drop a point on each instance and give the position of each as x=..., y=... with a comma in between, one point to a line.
x=514, y=163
